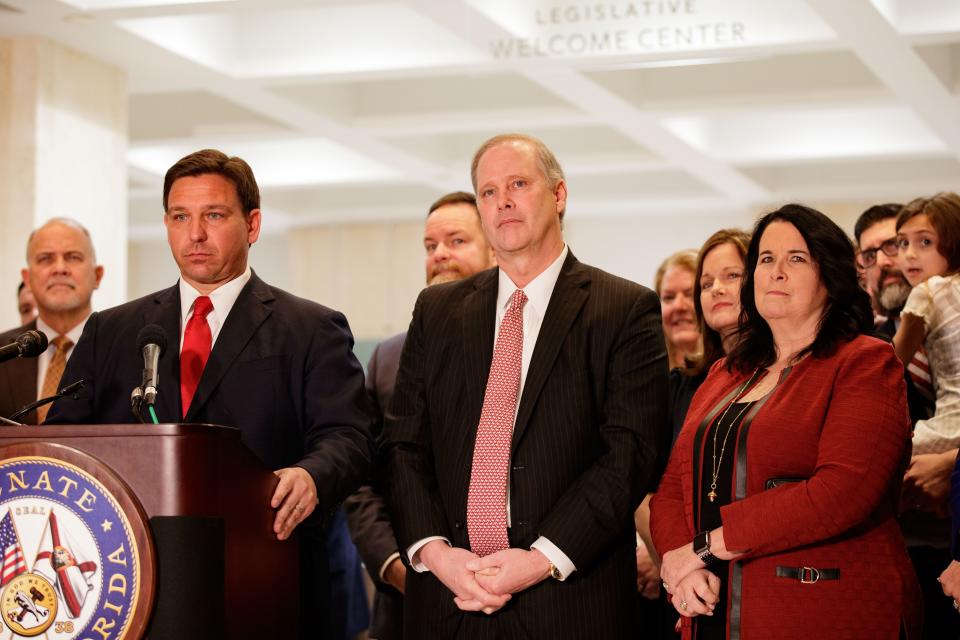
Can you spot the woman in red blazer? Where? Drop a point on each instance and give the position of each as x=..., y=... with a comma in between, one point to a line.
x=775, y=516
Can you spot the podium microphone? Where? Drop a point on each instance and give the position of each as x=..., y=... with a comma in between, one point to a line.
x=71, y=391
x=29, y=344
x=152, y=342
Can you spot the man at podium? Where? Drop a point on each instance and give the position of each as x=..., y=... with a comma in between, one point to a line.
x=238, y=353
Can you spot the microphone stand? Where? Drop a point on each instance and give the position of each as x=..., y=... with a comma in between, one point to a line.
x=71, y=390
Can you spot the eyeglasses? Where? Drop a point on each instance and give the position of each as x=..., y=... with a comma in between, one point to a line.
x=868, y=257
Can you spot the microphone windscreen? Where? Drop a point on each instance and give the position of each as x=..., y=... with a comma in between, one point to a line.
x=152, y=334
x=32, y=343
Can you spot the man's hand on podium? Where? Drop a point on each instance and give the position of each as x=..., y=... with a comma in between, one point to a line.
x=295, y=498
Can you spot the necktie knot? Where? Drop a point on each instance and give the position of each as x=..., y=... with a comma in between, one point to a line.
x=62, y=343
x=517, y=300
x=202, y=307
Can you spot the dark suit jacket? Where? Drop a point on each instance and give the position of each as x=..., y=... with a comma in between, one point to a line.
x=18, y=379
x=366, y=510
x=282, y=370
x=590, y=430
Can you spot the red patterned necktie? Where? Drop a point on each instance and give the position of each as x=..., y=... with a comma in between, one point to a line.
x=196, y=349
x=487, y=499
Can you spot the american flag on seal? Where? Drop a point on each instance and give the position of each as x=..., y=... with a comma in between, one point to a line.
x=13, y=561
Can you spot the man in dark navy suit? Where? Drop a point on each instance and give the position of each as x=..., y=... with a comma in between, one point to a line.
x=239, y=353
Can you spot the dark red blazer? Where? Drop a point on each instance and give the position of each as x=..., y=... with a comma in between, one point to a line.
x=838, y=428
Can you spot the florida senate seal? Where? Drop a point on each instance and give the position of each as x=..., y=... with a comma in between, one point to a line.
x=72, y=557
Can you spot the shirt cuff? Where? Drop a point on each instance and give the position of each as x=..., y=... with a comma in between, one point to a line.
x=414, y=550
x=386, y=563
x=558, y=558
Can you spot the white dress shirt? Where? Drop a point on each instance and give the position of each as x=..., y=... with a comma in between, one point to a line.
x=222, y=298
x=538, y=292
x=43, y=360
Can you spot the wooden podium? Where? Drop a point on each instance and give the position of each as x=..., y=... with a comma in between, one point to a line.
x=221, y=573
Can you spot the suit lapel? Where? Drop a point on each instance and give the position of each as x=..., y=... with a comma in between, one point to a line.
x=569, y=295
x=479, y=318
x=166, y=314
x=248, y=313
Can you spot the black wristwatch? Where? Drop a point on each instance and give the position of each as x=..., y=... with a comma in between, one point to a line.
x=701, y=547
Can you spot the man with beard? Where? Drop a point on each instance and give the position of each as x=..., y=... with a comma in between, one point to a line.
x=456, y=248
x=926, y=485
x=62, y=272
x=876, y=235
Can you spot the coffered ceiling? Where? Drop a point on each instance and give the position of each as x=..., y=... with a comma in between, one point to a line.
x=358, y=110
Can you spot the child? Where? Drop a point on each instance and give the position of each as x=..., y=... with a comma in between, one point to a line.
x=928, y=238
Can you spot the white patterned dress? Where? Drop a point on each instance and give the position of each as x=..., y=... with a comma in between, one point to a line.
x=937, y=302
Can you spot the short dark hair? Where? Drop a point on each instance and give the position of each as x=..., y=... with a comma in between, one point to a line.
x=873, y=215
x=943, y=211
x=205, y=161
x=712, y=341
x=848, y=312
x=20, y=287
x=457, y=197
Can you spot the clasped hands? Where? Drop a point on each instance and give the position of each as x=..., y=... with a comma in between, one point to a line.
x=695, y=590
x=484, y=584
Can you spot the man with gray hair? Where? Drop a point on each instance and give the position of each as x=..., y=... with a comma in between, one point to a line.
x=526, y=425
x=62, y=272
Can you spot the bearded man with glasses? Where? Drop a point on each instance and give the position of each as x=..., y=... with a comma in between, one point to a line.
x=926, y=484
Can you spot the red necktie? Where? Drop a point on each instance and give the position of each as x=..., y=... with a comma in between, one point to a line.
x=487, y=498
x=195, y=351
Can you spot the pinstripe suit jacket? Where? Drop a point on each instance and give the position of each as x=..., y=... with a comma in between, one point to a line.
x=590, y=430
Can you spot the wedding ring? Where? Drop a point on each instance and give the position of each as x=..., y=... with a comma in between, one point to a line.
x=683, y=605
x=956, y=605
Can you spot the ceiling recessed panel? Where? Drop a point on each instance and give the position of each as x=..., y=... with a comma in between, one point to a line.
x=796, y=134
x=626, y=186
x=325, y=39
x=571, y=145
x=388, y=199
x=921, y=17
x=191, y=113
x=944, y=61
x=400, y=96
x=100, y=5
x=276, y=163
x=766, y=78
x=871, y=178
